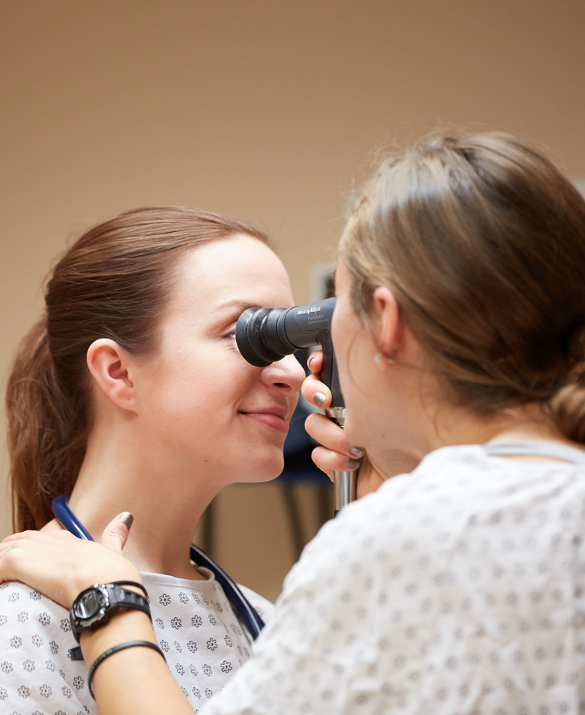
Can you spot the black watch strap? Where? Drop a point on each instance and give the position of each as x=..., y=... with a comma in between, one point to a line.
x=105, y=599
x=132, y=583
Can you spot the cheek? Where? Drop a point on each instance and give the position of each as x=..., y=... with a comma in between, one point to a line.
x=343, y=333
x=355, y=354
x=199, y=387
x=348, y=333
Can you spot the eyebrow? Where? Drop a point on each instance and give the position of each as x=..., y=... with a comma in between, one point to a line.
x=242, y=305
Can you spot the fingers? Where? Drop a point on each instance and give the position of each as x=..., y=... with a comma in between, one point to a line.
x=316, y=392
x=330, y=435
x=116, y=533
x=21, y=535
x=336, y=454
x=7, y=561
x=60, y=566
x=330, y=462
x=313, y=389
x=315, y=361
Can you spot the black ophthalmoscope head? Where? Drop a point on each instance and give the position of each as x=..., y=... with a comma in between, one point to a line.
x=266, y=335
x=257, y=336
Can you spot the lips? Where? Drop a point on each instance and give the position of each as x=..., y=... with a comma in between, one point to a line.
x=275, y=417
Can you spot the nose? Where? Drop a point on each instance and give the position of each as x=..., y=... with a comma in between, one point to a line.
x=286, y=375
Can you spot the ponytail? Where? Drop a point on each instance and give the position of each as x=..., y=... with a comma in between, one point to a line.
x=46, y=439
x=567, y=406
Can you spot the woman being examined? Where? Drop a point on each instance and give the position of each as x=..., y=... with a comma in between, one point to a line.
x=129, y=394
x=460, y=587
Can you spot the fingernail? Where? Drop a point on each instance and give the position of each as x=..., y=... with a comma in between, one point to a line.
x=352, y=464
x=127, y=519
x=356, y=451
x=310, y=360
x=319, y=399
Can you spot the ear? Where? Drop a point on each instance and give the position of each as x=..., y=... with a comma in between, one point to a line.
x=389, y=324
x=110, y=366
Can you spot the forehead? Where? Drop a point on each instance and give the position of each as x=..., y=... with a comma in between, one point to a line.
x=239, y=269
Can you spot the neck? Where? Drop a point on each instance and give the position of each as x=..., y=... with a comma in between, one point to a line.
x=464, y=427
x=166, y=497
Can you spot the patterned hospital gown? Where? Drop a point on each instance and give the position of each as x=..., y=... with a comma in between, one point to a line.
x=194, y=624
x=456, y=590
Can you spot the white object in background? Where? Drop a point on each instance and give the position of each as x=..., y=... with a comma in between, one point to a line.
x=580, y=184
x=321, y=277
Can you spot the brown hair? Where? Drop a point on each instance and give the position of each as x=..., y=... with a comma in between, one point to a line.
x=113, y=283
x=482, y=241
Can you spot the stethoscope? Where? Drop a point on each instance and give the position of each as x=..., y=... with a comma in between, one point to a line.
x=243, y=608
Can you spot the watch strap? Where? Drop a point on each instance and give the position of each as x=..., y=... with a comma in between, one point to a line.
x=132, y=583
x=118, y=597
x=124, y=598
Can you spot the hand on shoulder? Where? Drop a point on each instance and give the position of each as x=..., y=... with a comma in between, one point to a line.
x=60, y=565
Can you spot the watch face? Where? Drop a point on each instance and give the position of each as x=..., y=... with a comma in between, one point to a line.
x=89, y=604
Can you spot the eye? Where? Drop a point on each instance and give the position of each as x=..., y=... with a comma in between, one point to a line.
x=233, y=344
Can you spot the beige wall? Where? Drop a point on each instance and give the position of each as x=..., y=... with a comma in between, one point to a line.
x=263, y=109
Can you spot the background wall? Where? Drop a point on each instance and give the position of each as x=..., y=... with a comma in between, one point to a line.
x=263, y=109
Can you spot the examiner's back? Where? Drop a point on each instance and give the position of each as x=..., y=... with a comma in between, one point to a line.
x=458, y=588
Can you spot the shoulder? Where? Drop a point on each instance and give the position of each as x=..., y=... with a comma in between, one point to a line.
x=407, y=514
x=456, y=499
x=262, y=605
x=21, y=604
x=453, y=485
x=35, y=638
x=28, y=618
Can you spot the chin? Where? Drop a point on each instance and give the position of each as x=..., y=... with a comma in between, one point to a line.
x=262, y=470
x=351, y=433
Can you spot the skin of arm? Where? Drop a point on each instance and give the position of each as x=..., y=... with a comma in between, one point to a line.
x=133, y=680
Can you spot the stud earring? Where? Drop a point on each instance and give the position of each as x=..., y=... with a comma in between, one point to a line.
x=377, y=358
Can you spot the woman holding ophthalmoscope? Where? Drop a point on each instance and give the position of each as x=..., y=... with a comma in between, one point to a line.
x=459, y=588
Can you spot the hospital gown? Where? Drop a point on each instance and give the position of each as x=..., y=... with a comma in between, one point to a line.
x=457, y=589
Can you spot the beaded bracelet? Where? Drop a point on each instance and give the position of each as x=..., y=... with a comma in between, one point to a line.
x=116, y=649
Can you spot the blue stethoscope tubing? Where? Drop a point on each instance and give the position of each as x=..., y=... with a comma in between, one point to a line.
x=243, y=608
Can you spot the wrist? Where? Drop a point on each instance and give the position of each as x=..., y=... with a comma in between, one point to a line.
x=123, y=626
x=95, y=606
x=81, y=581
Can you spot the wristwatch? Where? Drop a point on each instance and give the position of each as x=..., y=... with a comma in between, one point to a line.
x=95, y=606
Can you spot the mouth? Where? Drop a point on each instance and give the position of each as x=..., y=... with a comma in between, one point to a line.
x=274, y=418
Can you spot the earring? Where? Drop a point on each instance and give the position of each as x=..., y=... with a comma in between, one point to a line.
x=377, y=358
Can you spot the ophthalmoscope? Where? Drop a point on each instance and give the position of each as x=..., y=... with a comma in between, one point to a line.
x=266, y=335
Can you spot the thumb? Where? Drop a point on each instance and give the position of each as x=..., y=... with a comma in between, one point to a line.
x=116, y=533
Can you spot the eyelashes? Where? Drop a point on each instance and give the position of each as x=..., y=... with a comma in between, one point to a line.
x=233, y=344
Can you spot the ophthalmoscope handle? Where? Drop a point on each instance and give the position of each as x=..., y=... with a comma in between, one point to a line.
x=344, y=483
